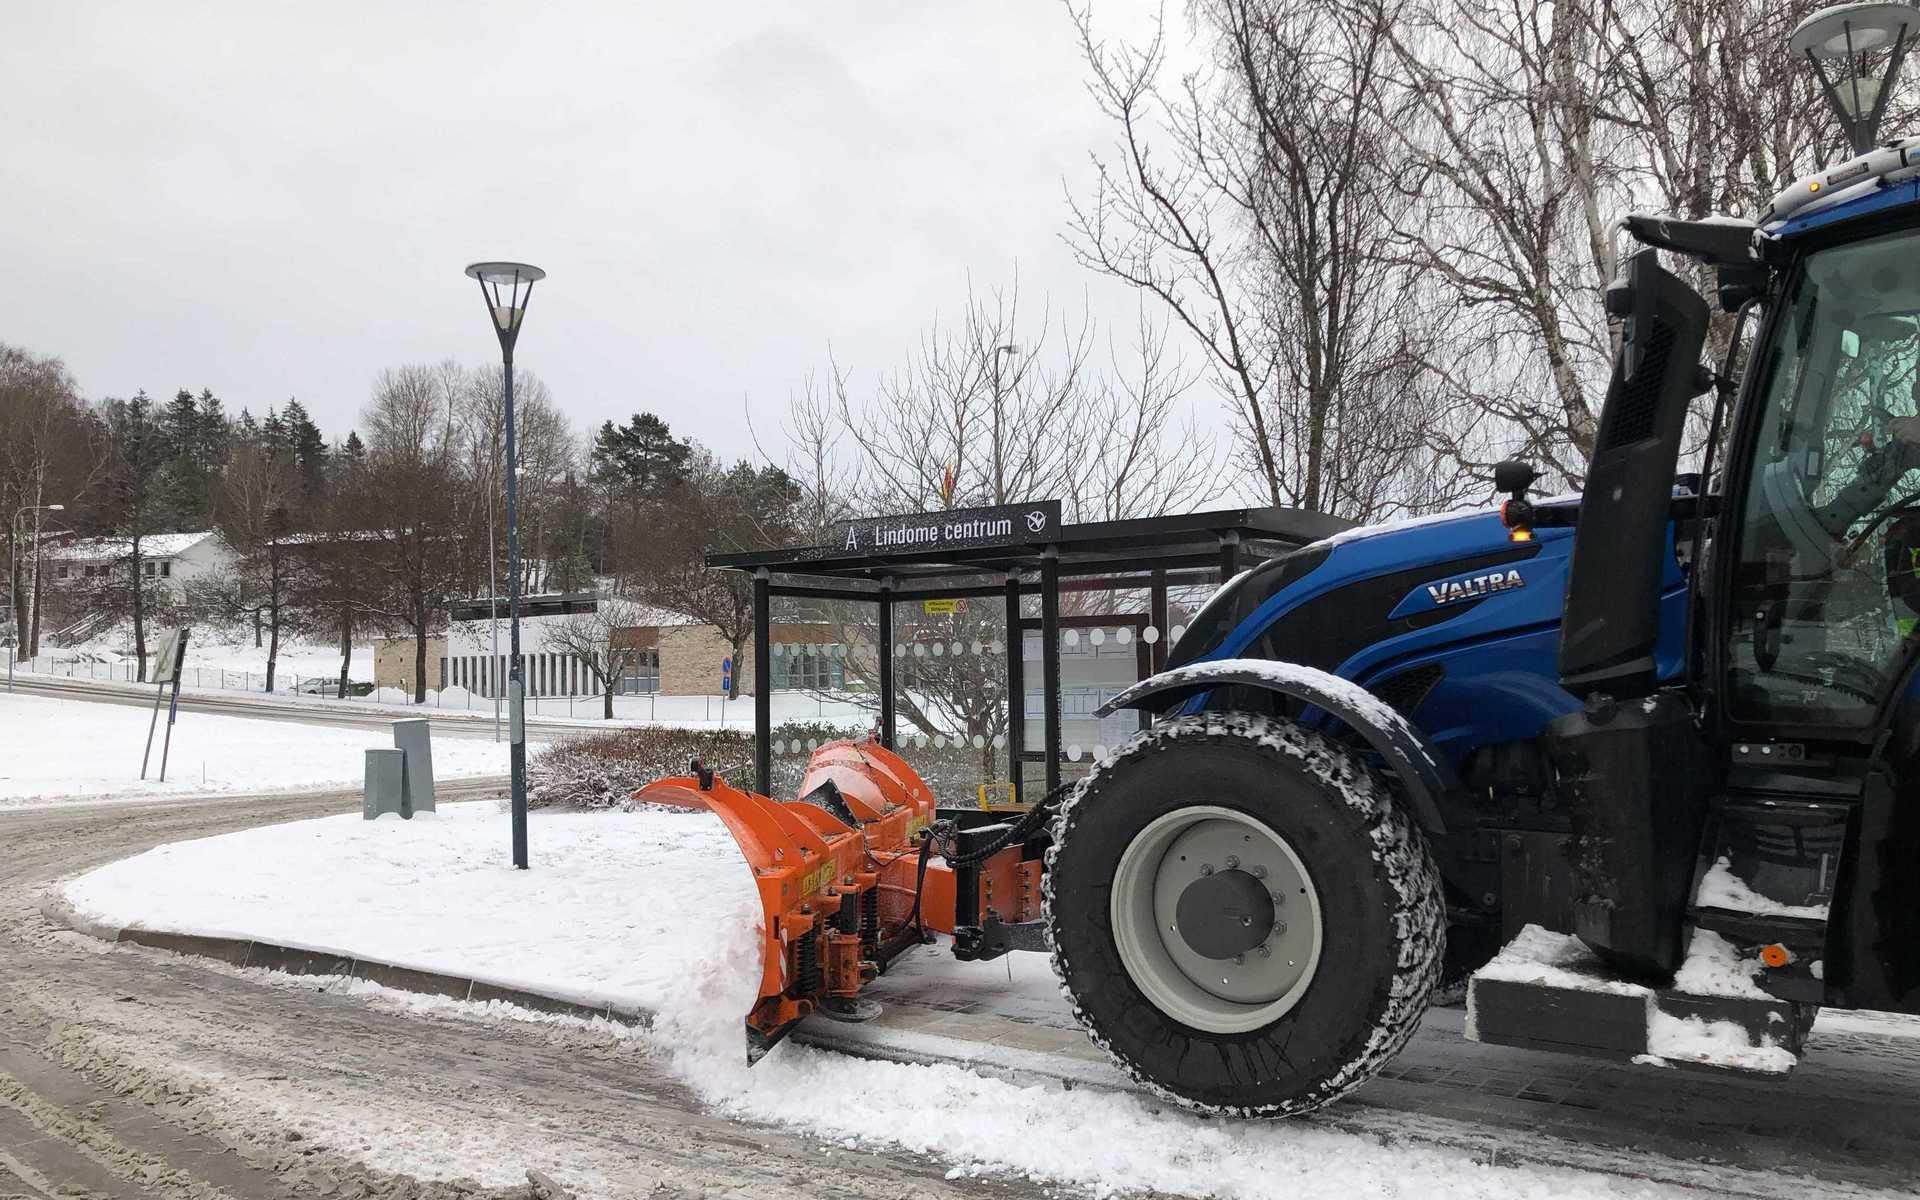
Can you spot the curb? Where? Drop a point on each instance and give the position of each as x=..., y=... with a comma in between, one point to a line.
x=294, y=960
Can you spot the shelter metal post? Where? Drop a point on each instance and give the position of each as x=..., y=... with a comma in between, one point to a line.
x=1157, y=617
x=762, y=684
x=886, y=664
x=1050, y=659
x=1229, y=556
x=1016, y=690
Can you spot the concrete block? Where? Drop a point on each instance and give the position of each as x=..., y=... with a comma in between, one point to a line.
x=298, y=962
x=430, y=983
x=413, y=738
x=386, y=783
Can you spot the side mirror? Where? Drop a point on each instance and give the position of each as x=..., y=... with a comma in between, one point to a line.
x=1514, y=478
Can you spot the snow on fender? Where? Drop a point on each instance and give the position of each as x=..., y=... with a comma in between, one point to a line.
x=1391, y=735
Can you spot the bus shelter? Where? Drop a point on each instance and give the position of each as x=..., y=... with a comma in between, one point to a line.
x=1117, y=575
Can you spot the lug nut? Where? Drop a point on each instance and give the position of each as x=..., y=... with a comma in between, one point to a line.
x=1263, y=950
x=1257, y=871
x=1246, y=921
x=1233, y=862
x=1279, y=897
x=1206, y=868
x=1279, y=929
x=1238, y=959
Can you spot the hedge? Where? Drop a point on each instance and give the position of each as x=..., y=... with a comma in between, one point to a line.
x=604, y=770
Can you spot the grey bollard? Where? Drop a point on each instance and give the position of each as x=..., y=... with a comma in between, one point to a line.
x=412, y=737
x=386, y=783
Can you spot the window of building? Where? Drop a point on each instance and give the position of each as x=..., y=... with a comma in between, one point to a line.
x=810, y=667
x=641, y=673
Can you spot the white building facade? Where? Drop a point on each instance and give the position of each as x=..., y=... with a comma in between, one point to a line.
x=171, y=562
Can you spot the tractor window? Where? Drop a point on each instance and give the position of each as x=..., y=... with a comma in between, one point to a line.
x=1827, y=590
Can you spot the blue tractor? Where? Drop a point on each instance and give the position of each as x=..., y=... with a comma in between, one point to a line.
x=1639, y=769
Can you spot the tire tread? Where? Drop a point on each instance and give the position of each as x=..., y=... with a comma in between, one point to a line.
x=1419, y=917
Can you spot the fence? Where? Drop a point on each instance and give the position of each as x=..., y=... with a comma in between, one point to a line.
x=704, y=710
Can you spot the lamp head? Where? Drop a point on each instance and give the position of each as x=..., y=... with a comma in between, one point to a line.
x=506, y=287
x=1849, y=37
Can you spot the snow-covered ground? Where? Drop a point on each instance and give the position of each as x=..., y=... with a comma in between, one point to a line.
x=655, y=910
x=53, y=750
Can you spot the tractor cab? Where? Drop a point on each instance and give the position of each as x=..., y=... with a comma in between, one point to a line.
x=1735, y=838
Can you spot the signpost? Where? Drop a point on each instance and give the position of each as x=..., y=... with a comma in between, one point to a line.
x=1033, y=523
x=726, y=676
x=166, y=678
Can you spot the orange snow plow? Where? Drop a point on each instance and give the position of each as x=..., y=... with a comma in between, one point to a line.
x=848, y=878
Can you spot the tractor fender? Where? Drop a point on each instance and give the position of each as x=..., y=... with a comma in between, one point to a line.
x=1420, y=771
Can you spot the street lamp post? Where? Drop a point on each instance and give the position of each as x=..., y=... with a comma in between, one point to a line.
x=506, y=287
x=13, y=574
x=999, y=458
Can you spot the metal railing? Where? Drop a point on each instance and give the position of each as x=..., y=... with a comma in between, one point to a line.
x=649, y=706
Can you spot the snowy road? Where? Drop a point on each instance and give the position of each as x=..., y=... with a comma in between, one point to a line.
x=1847, y=1120
x=140, y=1075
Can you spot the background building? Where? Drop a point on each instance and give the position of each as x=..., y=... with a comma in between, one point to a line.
x=173, y=561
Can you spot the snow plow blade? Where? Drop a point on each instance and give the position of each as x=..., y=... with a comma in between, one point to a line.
x=838, y=871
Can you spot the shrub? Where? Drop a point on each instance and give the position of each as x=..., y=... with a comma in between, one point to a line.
x=603, y=771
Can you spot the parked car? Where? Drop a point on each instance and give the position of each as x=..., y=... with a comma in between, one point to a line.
x=331, y=687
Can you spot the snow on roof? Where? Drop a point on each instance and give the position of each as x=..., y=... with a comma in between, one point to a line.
x=153, y=545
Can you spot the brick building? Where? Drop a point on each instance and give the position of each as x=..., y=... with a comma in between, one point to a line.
x=678, y=656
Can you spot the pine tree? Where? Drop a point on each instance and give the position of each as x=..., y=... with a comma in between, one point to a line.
x=184, y=489
x=308, y=450
x=635, y=463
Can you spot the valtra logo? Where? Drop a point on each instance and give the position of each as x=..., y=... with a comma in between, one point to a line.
x=1474, y=587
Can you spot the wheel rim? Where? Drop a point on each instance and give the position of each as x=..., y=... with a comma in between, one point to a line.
x=1216, y=919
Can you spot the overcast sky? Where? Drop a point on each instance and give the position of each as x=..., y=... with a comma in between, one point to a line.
x=276, y=200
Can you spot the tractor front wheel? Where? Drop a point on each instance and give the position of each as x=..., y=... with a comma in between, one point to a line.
x=1245, y=919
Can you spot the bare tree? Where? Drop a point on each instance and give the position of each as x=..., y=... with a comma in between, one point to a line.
x=999, y=409
x=597, y=639
x=45, y=458
x=548, y=451
x=1250, y=199
x=257, y=493
x=411, y=492
x=1525, y=131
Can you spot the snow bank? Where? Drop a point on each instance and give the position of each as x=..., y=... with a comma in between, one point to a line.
x=53, y=750
x=618, y=909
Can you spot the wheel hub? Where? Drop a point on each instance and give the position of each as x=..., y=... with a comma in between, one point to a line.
x=1215, y=918
x=1224, y=913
